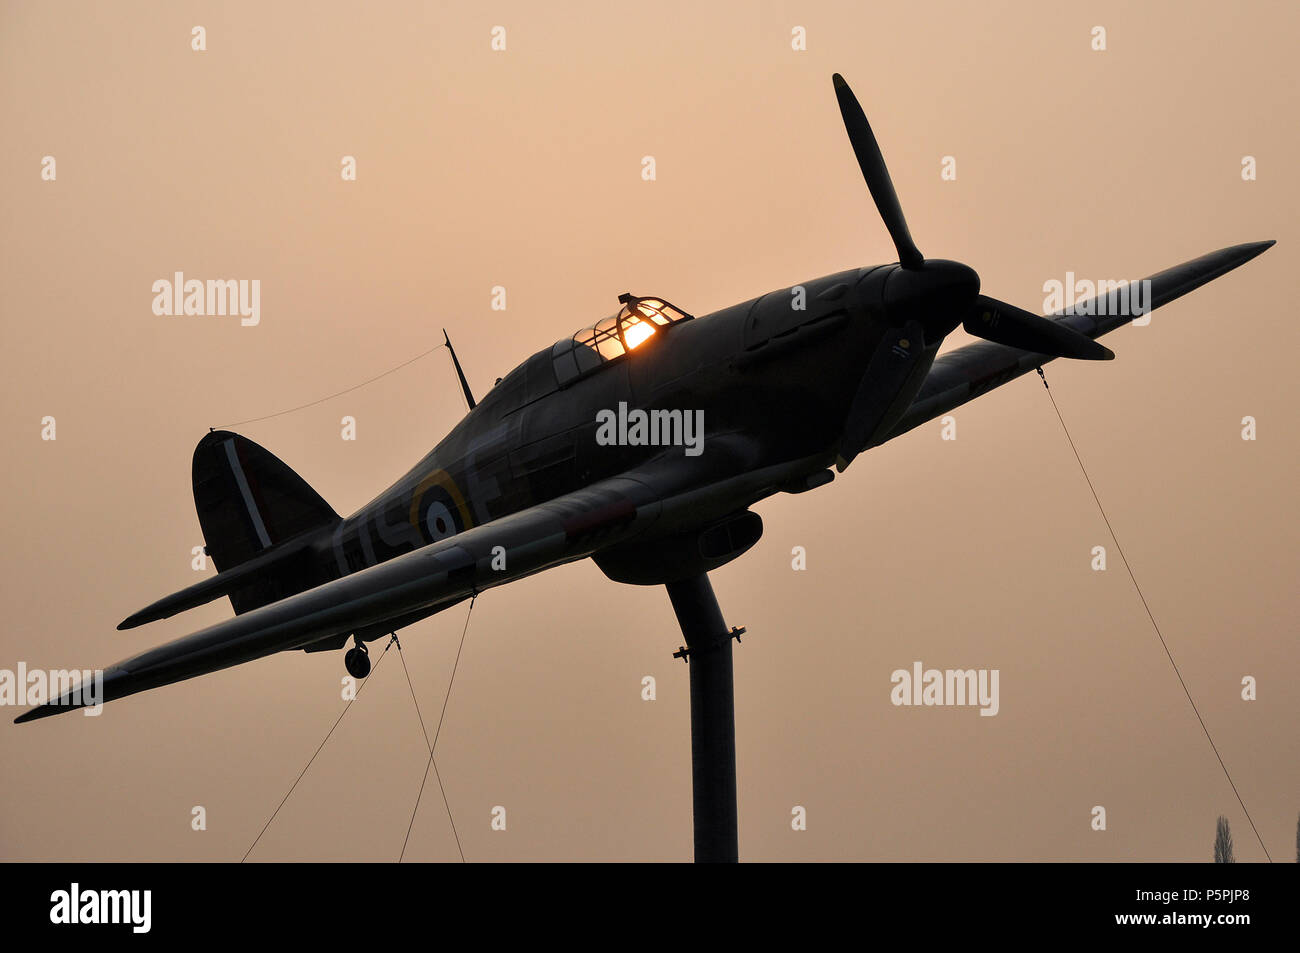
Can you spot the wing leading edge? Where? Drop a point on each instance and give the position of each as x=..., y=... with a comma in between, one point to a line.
x=967, y=372
x=542, y=536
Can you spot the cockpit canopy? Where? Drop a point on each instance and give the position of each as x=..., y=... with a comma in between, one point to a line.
x=612, y=338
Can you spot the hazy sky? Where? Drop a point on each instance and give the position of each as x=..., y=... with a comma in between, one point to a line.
x=522, y=169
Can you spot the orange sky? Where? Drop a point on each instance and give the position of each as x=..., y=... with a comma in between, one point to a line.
x=523, y=169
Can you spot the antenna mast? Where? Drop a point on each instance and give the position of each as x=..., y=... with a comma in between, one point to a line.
x=464, y=384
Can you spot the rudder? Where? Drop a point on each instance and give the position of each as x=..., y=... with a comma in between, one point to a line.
x=248, y=502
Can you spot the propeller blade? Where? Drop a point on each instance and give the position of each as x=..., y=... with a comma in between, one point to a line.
x=1003, y=323
x=875, y=172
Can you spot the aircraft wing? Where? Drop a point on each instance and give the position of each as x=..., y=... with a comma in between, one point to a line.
x=967, y=372
x=665, y=495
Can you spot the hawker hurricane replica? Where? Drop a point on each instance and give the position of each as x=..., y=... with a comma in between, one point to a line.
x=641, y=442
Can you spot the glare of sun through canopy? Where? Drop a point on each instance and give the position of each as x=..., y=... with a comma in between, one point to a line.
x=634, y=334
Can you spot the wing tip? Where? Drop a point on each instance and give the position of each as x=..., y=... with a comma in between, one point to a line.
x=137, y=619
x=1246, y=251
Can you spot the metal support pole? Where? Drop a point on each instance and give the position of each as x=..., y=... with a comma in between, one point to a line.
x=713, y=718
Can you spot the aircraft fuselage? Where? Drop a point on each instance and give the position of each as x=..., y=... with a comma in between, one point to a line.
x=781, y=369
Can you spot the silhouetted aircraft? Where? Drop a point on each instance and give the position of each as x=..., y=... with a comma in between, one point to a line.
x=642, y=442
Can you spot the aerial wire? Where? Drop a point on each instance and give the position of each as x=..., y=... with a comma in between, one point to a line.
x=348, y=390
x=1150, y=615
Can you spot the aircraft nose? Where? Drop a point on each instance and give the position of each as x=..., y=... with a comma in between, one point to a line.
x=954, y=276
x=938, y=295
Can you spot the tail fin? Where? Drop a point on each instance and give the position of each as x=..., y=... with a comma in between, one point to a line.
x=249, y=501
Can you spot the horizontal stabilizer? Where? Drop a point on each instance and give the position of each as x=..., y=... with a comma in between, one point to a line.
x=223, y=584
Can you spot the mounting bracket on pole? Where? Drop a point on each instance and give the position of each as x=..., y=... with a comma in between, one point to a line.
x=684, y=653
x=713, y=717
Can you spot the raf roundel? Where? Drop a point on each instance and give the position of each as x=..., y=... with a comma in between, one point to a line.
x=438, y=522
x=439, y=514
